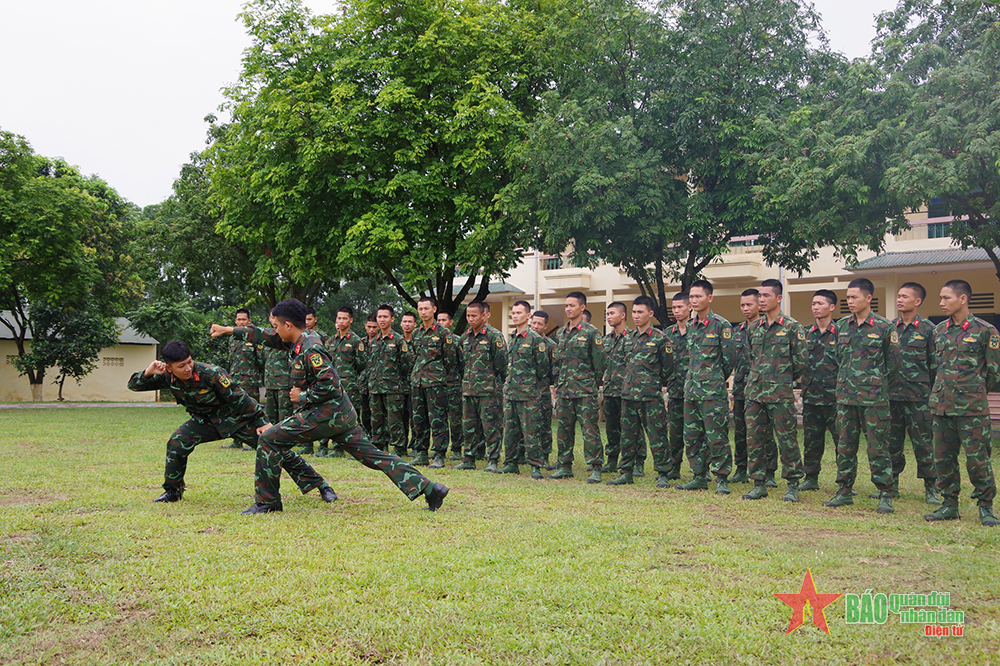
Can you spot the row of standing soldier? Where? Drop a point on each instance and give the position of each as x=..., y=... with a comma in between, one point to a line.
x=487, y=395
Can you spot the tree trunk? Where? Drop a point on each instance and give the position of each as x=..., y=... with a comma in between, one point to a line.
x=36, y=392
x=62, y=381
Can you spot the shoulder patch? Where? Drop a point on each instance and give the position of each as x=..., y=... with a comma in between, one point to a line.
x=315, y=360
x=894, y=337
x=995, y=342
x=727, y=332
x=801, y=335
x=500, y=343
x=224, y=380
x=361, y=346
x=541, y=347
x=402, y=345
x=669, y=348
x=448, y=340
x=599, y=341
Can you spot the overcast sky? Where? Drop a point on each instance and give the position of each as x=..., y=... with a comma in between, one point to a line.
x=120, y=88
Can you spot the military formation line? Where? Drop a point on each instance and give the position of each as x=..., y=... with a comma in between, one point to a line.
x=391, y=395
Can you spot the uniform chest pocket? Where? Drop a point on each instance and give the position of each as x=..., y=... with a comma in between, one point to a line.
x=204, y=397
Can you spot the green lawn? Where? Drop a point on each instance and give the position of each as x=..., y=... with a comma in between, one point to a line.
x=510, y=571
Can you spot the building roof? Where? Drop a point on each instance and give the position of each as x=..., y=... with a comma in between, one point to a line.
x=498, y=287
x=921, y=258
x=128, y=335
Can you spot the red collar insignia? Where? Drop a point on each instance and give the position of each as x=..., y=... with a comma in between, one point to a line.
x=298, y=347
x=965, y=325
x=196, y=378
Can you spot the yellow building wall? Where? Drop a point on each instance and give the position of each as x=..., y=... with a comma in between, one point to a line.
x=106, y=383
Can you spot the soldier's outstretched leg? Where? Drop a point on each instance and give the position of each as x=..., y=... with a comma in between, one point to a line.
x=182, y=442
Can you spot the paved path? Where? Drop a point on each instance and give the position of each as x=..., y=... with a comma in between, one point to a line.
x=76, y=405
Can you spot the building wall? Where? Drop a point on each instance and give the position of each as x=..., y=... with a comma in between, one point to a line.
x=107, y=382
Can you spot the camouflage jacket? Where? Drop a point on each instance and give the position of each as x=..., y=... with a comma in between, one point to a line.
x=365, y=353
x=349, y=359
x=649, y=364
x=916, y=374
x=550, y=348
x=389, y=363
x=277, y=369
x=778, y=356
x=484, y=362
x=209, y=396
x=712, y=356
x=968, y=367
x=528, y=366
x=681, y=356
x=433, y=355
x=579, y=360
x=867, y=360
x=313, y=373
x=614, y=362
x=741, y=369
x=323, y=337
x=819, y=381
x=246, y=362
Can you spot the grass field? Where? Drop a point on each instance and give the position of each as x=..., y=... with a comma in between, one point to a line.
x=510, y=571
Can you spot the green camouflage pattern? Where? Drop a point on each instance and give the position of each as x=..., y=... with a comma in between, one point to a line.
x=874, y=420
x=389, y=362
x=740, y=455
x=968, y=367
x=429, y=418
x=454, y=383
x=484, y=363
x=682, y=356
x=277, y=369
x=918, y=364
x=649, y=417
x=528, y=369
x=817, y=420
x=763, y=419
x=388, y=425
x=706, y=436
x=246, y=365
x=712, y=354
x=741, y=368
x=521, y=430
x=570, y=411
x=868, y=360
x=434, y=352
x=579, y=361
x=277, y=404
x=614, y=363
x=971, y=434
x=548, y=411
x=913, y=419
x=649, y=363
x=675, y=428
x=612, y=407
x=778, y=357
x=349, y=358
x=482, y=422
x=219, y=409
x=819, y=382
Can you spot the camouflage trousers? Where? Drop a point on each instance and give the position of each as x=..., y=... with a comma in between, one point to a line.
x=455, y=417
x=971, y=434
x=766, y=423
x=740, y=439
x=275, y=454
x=481, y=423
x=522, y=421
x=817, y=420
x=407, y=412
x=874, y=420
x=387, y=421
x=584, y=410
x=914, y=419
x=675, y=428
x=277, y=404
x=546, y=435
x=706, y=434
x=649, y=416
x=613, y=427
x=250, y=385
x=366, y=414
x=193, y=432
x=430, y=419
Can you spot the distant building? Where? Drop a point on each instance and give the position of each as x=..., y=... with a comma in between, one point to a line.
x=115, y=365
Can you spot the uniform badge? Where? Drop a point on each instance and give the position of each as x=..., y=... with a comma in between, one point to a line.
x=361, y=346
x=727, y=333
x=541, y=347
x=781, y=334
x=712, y=335
x=995, y=342
x=499, y=343
x=448, y=340
x=668, y=348
x=402, y=345
x=315, y=360
x=801, y=335
x=894, y=337
x=348, y=346
x=224, y=380
x=598, y=341
x=969, y=339
x=874, y=335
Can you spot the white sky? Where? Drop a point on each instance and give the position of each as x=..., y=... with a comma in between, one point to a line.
x=120, y=88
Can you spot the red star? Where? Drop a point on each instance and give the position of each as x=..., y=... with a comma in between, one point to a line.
x=808, y=596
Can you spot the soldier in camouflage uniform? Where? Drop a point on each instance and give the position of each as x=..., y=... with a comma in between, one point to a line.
x=908, y=408
x=778, y=356
x=312, y=325
x=528, y=370
x=433, y=355
x=322, y=411
x=246, y=365
x=453, y=382
x=680, y=308
x=371, y=330
x=649, y=364
x=968, y=367
x=750, y=306
x=868, y=362
x=614, y=377
x=408, y=324
x=389, y=363
x=819, y=387
x=579, y=359
x=484, y=367
x=218, y=408
x=349, y=360
x=277, y=384
x=539, y=324
x=706, y=400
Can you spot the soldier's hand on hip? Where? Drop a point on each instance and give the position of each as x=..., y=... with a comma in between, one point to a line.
x=294, y=394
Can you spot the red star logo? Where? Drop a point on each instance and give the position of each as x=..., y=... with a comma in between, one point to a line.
x=808, y=596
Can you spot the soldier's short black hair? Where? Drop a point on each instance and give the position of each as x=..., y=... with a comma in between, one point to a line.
x=828, y=295
x=916, y=288
x=864, y=284
x=291, y=310
x=579, y=296
x=960, y=287
x=644, y=301
x=482, y=306
x=411, y=314
x=773, y=284
x=703, y=284
x=175, y=351
x=617, y=304
x=310, y=311
x=587, y=315
x=388, y=308
x=371, y=318
x=524, y=304
x=542, y=314
x=346, y=309
x=427, y=299
x=446, y=313
x=750, y=292
x=244, y=311
x=681, y=296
